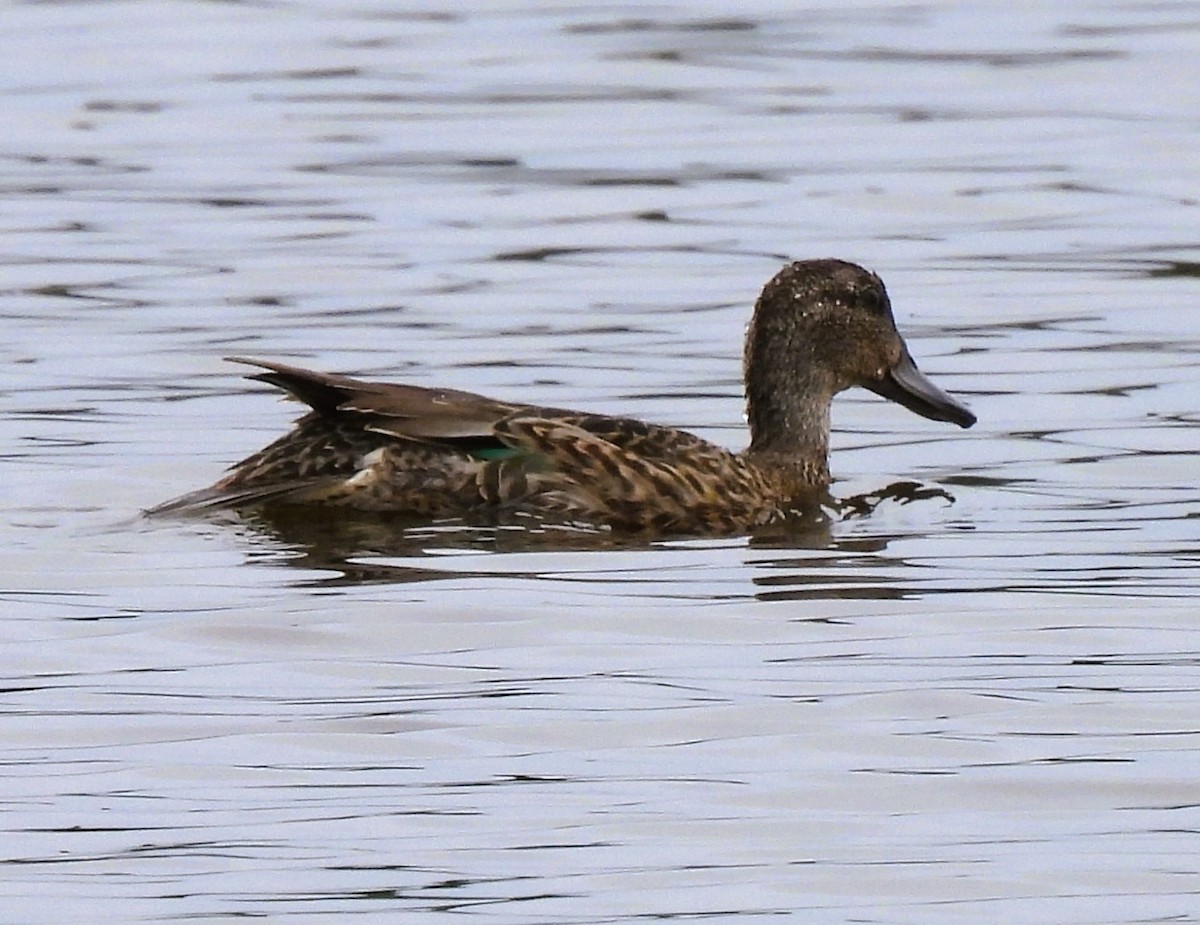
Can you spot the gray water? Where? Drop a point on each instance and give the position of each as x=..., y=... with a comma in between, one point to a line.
x=977, y=706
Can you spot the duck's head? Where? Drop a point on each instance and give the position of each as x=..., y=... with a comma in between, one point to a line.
x=821, y=326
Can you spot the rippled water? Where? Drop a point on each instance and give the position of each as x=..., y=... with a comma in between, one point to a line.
x=977, y=709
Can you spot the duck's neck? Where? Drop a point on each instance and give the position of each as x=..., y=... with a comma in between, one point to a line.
x=788, y=413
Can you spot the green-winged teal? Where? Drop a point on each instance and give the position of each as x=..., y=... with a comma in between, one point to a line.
x=820, y=326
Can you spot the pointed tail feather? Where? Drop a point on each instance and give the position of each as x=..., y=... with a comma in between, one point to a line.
x=215, y=496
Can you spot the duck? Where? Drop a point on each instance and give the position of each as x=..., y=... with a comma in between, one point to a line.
x=818, y=327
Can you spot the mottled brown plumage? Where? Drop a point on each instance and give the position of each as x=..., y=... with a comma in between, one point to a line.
x=819, y=326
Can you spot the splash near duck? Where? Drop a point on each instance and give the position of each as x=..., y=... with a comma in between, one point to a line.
x=819, y=327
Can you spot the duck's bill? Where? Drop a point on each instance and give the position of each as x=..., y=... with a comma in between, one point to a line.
x=906, y=385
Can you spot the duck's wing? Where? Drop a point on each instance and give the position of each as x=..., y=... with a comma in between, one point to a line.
x=408, y=412
x=319, y=459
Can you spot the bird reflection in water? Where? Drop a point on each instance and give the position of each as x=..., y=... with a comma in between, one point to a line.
x=358, y=548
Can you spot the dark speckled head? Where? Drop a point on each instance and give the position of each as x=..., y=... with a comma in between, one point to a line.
x=821, y=326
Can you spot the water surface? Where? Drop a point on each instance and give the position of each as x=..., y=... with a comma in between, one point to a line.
x=978, y=707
